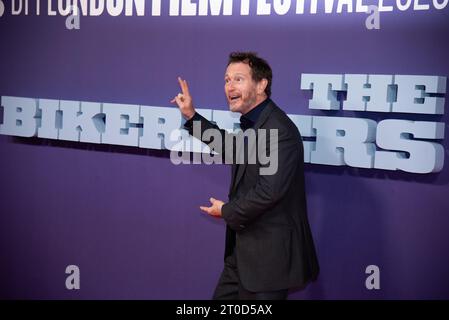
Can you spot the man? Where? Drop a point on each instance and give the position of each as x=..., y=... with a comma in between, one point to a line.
x=269, y=246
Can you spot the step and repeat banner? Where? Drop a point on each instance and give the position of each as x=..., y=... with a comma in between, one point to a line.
x=100, y=186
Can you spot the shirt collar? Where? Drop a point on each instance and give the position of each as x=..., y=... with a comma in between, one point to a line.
x=253, y=114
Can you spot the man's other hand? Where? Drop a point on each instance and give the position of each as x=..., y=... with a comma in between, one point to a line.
x=215, y=209
x=184, y=100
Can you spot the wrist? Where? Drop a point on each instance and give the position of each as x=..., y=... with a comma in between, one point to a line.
x=189, y=115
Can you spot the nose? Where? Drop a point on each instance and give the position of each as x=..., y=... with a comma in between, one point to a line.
x=229, y=85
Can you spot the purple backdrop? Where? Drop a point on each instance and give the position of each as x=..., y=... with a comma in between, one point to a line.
x=130, y=219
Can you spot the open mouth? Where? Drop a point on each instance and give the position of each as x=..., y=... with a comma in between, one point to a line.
x=234, y=98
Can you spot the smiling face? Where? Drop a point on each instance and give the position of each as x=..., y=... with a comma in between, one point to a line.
x=242, y=92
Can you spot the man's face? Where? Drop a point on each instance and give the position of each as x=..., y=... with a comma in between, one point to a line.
x=242, y=92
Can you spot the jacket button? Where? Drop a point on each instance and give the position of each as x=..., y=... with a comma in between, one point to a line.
x=242, y=226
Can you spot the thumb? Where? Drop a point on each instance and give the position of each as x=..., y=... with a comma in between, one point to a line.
x=178, y=101
x=212, y=200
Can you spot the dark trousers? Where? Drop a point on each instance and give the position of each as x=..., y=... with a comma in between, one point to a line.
x=229, y=286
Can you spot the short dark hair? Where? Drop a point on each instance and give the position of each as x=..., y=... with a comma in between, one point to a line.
x=260, y=69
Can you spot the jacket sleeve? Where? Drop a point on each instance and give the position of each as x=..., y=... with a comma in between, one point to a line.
x=225, y=146
x=269, y=189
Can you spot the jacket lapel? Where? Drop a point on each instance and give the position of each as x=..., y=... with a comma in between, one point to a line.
x=239, y=169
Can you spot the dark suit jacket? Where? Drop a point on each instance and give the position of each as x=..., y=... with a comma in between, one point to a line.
x=266, y=215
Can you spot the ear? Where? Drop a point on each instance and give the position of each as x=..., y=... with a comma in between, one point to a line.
x=261, y=86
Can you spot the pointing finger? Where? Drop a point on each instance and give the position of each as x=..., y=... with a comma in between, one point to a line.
x=184, y=86
x=181, y=84
x=205, y=209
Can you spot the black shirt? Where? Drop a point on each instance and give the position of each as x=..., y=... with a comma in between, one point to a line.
x=249, y=119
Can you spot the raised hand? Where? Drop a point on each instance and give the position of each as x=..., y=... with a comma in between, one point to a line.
x=184, y=100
